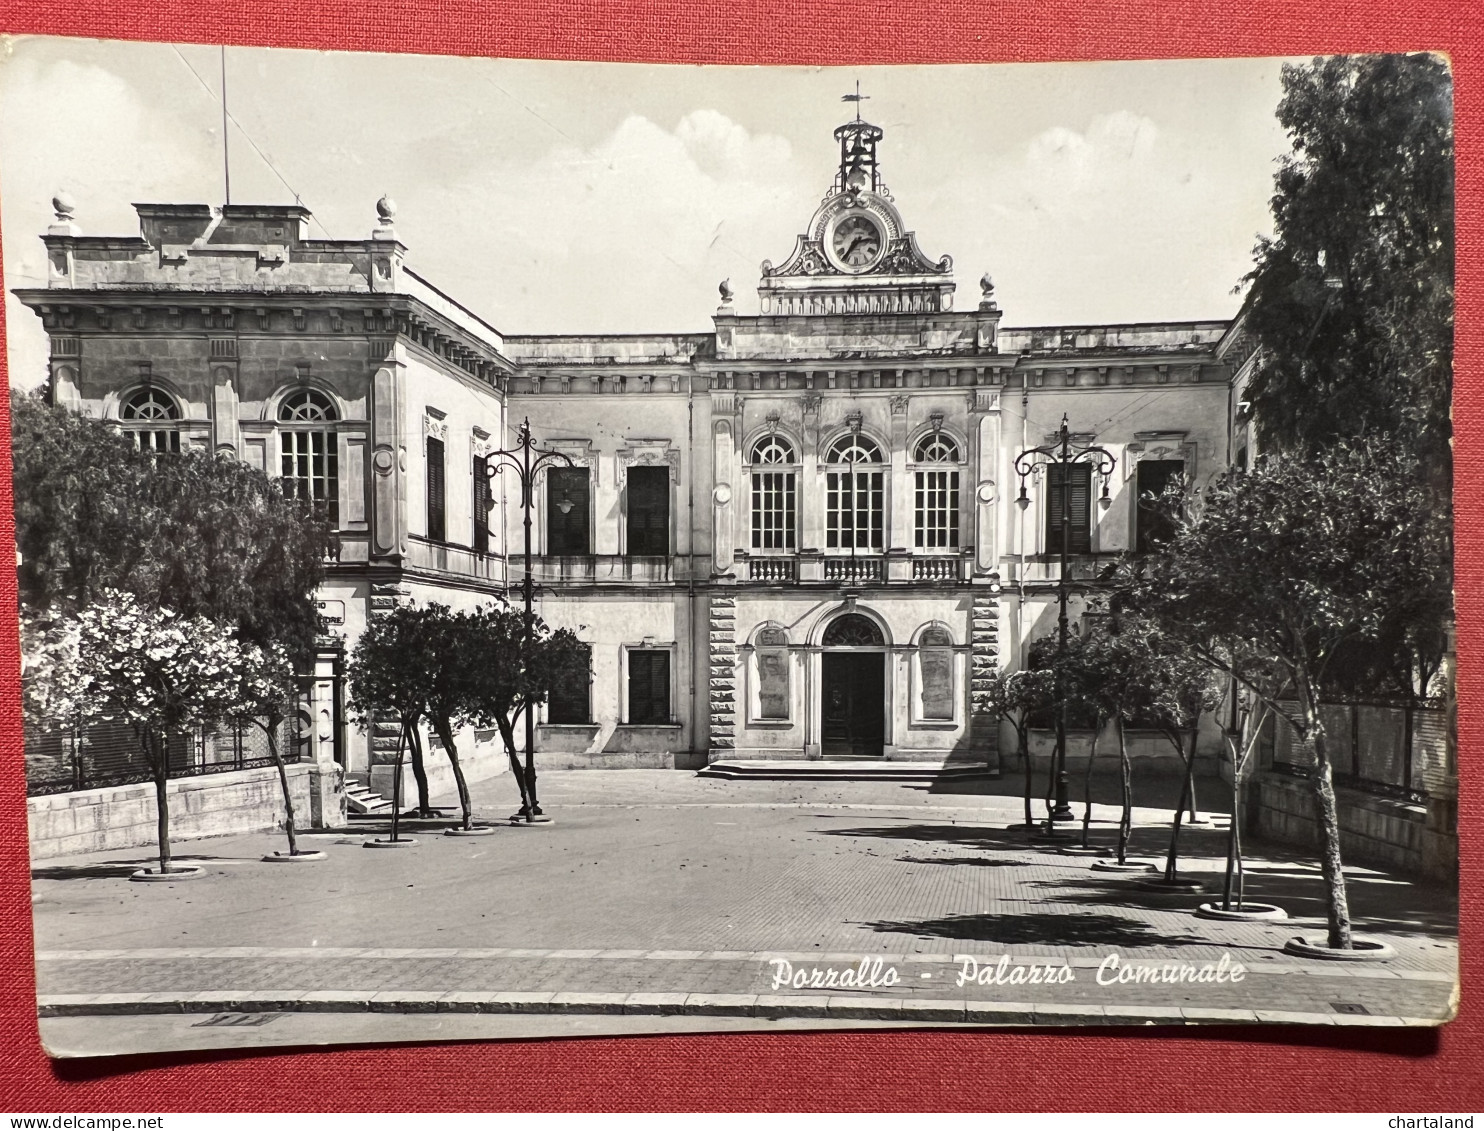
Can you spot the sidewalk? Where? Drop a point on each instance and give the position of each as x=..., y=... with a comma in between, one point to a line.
x=656, y=893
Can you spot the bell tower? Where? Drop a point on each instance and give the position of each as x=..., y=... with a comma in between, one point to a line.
x=857, y=256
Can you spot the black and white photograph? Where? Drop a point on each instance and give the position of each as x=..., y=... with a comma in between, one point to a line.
x=515, y=548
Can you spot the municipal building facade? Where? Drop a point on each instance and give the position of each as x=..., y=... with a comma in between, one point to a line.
x=792, y=535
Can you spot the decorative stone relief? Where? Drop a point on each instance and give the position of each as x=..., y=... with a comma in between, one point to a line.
x=648, y=453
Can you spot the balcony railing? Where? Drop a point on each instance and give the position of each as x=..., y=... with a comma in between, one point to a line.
x=1080, y=567
x=598, y=569
x=771, y=569
x=852, y=570
x=449, y=558
x=936, y=569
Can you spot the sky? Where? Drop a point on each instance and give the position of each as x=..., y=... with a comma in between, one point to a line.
x=603, y=197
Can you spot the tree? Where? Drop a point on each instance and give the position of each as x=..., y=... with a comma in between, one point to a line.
x=1280, y=568
x=1015, y=696
x=192, y=532
x=1111, y=670
x=406, y=659
x=162, y=673
x=1351, y=304
x=266, y=693
x=1180, y=688
x=512, y=675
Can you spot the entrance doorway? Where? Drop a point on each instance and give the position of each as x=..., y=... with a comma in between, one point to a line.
x=854, y=707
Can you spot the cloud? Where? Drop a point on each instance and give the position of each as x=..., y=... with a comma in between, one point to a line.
x=647, y=218
x=74, y=126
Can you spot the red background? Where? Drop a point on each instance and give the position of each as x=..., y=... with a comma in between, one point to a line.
x=1212, y=1069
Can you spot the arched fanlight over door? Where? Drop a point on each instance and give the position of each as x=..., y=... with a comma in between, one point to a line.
x=852, y=630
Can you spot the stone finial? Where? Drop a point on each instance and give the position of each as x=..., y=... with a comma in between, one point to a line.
x=386, y=212
x=66, y=209
x=726, y=292
x=986, y=293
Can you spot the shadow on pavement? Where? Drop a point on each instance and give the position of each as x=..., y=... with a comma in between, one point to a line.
x=1158, y=790
x=115, y=869
x=968, y=861
x=1057, y=928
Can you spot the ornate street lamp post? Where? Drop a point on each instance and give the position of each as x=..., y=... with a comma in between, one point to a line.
x=527, y=461
x=1063, y=455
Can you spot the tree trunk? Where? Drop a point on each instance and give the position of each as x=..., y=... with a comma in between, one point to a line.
x=419, y=771
x=1187, y=788
x=1326, y=811
x=1092, y=753
x=531, y=776
x=1126, y=772
x=159, y=766
x=397, y=777
x=1195, y=735
x=445, y=732
x=1023, y=742
x=1233, y=841
x=507, y=734
x=270, y=728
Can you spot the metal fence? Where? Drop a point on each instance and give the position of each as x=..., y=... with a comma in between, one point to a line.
x=1389, y=749
x=109, y=754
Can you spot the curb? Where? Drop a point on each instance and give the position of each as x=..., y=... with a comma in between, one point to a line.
x=767, y=1006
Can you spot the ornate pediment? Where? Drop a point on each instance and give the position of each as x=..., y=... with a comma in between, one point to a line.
x=902, y=257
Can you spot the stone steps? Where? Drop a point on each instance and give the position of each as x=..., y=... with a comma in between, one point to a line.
x=361, y=801
x=742, y=769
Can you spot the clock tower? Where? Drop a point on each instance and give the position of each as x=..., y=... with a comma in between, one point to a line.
x=857, y=257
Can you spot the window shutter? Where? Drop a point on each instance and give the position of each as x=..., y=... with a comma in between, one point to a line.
x=482, y=500
x=1078, y=477
x=648, y=511
x=436, y=492
x=649, y=687
x=570, y=701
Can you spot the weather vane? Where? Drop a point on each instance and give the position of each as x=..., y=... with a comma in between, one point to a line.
x=857, y=98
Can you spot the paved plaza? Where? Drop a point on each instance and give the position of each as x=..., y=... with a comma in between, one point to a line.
x=660, y=895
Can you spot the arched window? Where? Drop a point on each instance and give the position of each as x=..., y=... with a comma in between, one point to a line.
x=852, y=631
x=310, y=451
x=853, y=496
x=774, y=494
x=935, y=673
x=935, y=494
x=150, y=416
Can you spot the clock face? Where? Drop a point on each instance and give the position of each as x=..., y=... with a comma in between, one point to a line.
x=856, y=242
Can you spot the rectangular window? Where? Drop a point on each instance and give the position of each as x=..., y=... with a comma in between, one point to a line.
x=773, y=510
x=649, y=686
x=566, y=512
x=310, y=469
x=436, y=491
x=1076, y=500
x=936, y=509
x=853, y=510
x=1152, y=525
x=570, y=702
x=483, y=501
x=648, y=511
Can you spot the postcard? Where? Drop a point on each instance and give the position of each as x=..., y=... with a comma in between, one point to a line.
x=514, y=548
